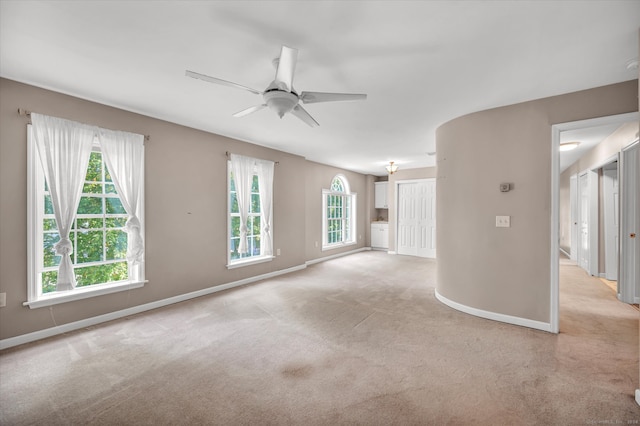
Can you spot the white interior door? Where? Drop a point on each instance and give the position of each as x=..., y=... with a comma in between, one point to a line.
x=573, y=203
x=416, y=229
x=583, y=221
x=408, y=218
x=629, y=274
x=427, y=223
x=610, y=203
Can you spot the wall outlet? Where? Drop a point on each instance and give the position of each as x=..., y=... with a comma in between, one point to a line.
x=503, y=221
x=3, y=300
x=278, y=252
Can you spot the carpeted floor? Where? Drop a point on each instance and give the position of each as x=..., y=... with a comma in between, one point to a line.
x=355, y=340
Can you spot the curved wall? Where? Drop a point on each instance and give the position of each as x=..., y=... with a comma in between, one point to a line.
x=506, y=271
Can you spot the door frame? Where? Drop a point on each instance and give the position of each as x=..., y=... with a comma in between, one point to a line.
x=554, y=279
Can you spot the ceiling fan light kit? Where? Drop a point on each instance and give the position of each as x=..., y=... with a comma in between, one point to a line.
x=568, y=146
x=280, y=95
x=280, y=101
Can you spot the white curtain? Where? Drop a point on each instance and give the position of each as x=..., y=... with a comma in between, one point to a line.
x=64, y=148
x=242, y=168
x=265, y=181
x=123, y=154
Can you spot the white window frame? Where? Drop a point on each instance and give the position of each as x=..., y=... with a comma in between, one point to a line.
x=251, y=260
x=35, y=216
x=352, y=196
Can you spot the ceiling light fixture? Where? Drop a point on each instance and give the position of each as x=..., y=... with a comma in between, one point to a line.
x=568, y=146
x=391, y=168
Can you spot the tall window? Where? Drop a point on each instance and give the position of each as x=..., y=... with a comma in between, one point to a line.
x=250, y=210
x=338, y=225
x=253, y=221
x=103, y=252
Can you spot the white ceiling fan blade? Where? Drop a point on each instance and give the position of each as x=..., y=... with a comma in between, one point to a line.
x=220, y=81
x=303, y=115
x=286, y=68
x=313, y=97
x=249, y=110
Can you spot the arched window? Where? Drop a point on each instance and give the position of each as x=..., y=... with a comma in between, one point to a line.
x=338, y=214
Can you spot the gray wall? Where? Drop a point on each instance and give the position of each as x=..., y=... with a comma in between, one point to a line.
x=185, y=205
x=506, y=270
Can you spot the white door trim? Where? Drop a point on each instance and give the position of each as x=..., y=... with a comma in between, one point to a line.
x=554, y=279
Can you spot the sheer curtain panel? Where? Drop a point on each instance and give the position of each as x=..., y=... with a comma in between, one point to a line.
x=242, y=168
x=265, y=180
x=64, y=148
x=123, y=153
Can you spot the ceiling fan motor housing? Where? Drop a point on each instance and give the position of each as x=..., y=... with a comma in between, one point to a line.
x=280, y=101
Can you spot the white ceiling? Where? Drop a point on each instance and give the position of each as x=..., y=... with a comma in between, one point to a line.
x=588, y=137
x=421, y=63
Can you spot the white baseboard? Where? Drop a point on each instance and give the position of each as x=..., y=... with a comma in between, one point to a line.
x=65, y=328
x=565, y=253
x=524, y=322
x=334, y=256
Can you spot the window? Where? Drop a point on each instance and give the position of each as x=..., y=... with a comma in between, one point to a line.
x=98, y=235
x=338, y=210
x=99, y=241
x=253, y=225
x=250, y=209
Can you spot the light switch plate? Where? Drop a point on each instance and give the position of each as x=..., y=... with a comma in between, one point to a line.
x=503, y=221
x=3, y=300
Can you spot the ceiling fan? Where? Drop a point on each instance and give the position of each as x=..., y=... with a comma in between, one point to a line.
x=280, y=95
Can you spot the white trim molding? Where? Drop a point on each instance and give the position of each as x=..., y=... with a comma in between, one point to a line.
x=65, y=328
x=334, y=256
x=523, y=322
x=638, y=396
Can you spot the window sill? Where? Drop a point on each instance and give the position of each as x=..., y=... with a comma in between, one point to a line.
x=338, y=245
x=250, y=261
x=83, y=293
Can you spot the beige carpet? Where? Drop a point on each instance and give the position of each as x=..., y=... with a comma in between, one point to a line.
x=356, y=340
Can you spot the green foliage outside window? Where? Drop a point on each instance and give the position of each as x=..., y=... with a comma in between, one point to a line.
x=253, y=225
x=97, y=235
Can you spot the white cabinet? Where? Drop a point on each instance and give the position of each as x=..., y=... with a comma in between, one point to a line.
x=380, y=195
x=380, y=235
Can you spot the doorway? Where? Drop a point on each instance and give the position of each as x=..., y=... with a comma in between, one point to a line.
x=588, y=188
